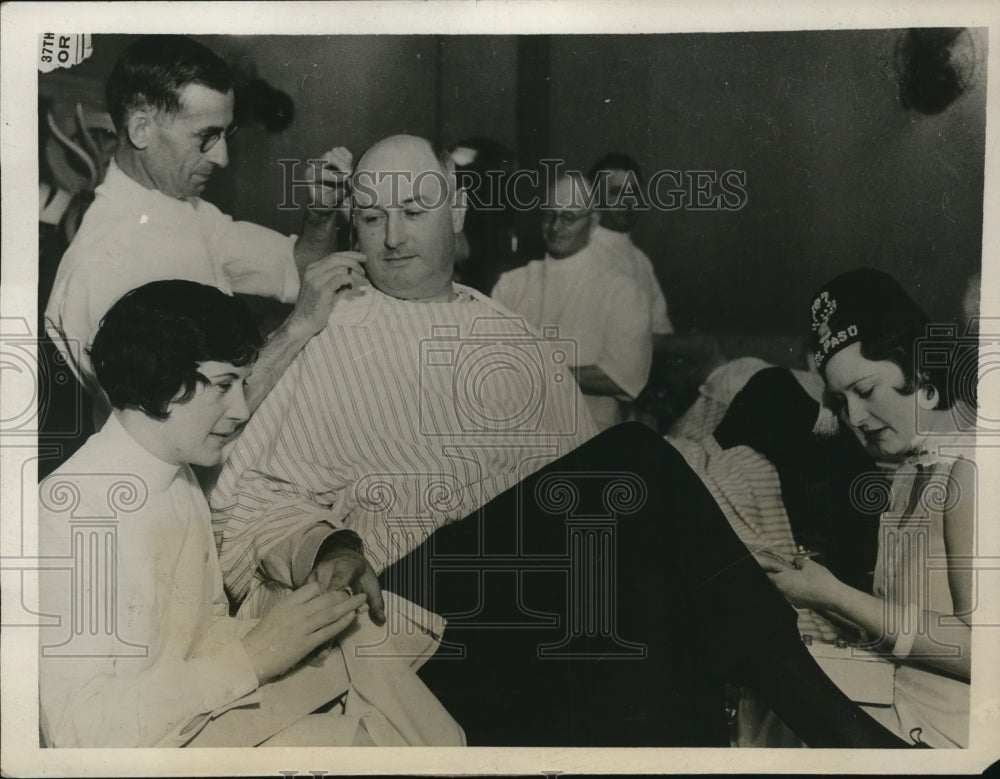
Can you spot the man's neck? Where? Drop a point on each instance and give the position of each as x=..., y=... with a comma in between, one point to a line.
x=574, y=255
x=444, y=296
x=131, y=165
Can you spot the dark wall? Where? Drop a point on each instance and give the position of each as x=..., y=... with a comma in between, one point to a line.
x=477, y=88
x=348, y=91
x=838, y=173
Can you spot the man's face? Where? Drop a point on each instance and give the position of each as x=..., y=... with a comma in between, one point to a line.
x=566, y=223
x=173, y=157
x=197, y=430
x=621, y=214
x=405, y=221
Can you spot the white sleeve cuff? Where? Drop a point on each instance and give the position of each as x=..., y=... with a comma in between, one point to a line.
x=290, y=286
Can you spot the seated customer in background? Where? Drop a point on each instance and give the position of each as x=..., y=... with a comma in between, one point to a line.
x=173, y=358
x=600, y=307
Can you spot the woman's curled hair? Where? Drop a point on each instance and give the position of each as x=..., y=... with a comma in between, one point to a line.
x=149, y=345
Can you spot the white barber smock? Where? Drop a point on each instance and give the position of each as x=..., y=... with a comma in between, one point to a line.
x=622, y=254
x=131, y=236
x=603, y=311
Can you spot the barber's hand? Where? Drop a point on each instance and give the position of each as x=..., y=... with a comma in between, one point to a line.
x=325, y=282
x=343, y=567
x=299, y=623
x=807, y=585
x=330, y=190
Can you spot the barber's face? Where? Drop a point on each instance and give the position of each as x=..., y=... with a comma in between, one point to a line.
x=405, y=221
x=198, y=429
x=566, y=222
x=184, y=149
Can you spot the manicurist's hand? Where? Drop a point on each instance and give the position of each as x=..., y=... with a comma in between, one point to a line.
x=299, y=623
x=807, y=585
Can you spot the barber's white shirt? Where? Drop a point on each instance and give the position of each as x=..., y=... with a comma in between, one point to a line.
x=621, y=253
x=601, y=311
x=131, y=236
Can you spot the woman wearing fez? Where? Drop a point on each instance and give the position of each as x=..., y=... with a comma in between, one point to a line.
x=865, y=332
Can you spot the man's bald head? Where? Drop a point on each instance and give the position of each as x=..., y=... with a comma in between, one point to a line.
x=381, y=155
x=571, y=191
x=406, y=217
x=568, y=218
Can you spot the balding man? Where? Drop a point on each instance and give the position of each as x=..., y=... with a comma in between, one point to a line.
x=573, y=288
x=593, y=586
x=392, y=399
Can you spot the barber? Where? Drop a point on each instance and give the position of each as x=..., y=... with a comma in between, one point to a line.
x=171, y=100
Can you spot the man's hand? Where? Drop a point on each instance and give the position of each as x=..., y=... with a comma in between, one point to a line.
x=327, y=198
x=343, y=567
x=330, y=190
x=323, y=283
x=299, y=623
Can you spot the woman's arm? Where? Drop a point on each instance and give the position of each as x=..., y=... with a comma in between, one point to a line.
x=959, y=536
x=938, y=640
x=941, y=641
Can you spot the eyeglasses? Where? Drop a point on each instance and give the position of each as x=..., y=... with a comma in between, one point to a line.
x=208, y=143
x=565, y=218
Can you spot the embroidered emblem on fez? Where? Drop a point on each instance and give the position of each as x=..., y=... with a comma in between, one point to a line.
x=822, y=309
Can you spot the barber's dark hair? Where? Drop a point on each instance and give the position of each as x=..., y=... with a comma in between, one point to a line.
x=147, y=349
x=154, y=69
x=614, y=161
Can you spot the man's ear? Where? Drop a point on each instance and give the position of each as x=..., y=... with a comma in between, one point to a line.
x=458, y=209
x=139, y=129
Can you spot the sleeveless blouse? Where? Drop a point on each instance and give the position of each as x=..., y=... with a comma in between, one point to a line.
x=911, y=576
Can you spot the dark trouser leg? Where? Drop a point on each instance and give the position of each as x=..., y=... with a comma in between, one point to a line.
x=683, y=587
